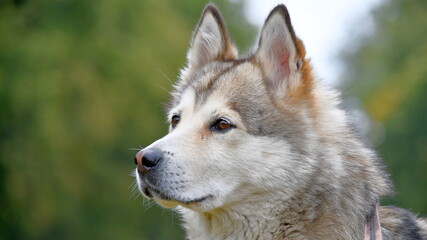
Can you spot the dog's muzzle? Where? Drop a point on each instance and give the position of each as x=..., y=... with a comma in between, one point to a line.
x=148, y=159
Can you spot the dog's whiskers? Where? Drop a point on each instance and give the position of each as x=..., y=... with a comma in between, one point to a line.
x=135, y=149
x=147, y=203
x=134, y=193
x=165, y=76
x=160, y=86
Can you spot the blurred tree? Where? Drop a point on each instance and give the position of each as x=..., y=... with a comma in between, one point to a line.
x=388, y=72
x=80, y=83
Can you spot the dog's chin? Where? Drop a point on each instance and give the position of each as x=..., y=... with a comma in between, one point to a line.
x=171, y=200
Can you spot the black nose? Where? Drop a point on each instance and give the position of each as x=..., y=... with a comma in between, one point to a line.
x=148, y=159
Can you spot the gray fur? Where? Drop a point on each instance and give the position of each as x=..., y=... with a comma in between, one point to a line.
x=290, y=168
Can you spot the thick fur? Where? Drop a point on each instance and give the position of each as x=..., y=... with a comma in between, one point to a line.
x=287, y=166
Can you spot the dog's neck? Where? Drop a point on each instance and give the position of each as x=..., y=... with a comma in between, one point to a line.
x=233, y=222
x=272, y=221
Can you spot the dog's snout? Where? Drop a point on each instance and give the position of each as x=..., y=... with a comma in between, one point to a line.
x=148, y=159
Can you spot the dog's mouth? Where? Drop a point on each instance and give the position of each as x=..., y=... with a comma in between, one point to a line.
x=154, y=193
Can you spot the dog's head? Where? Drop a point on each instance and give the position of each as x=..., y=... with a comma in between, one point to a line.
x=237, y=125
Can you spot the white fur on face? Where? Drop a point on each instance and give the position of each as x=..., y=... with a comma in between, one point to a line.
x=186, y=104
x=224, y=167
x=197, y=153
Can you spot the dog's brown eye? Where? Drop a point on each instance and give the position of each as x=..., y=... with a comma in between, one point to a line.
x=222, y=125
x=175, y=120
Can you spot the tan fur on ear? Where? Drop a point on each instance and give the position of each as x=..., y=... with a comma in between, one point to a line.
x=283, y=11
x=281, y=54
x=211, y=41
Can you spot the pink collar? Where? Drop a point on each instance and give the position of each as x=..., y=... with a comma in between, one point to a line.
x=373, y=227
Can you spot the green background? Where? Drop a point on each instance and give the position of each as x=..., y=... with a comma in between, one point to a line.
x=84, y=82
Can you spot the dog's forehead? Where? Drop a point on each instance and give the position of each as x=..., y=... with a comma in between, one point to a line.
x=229, y=82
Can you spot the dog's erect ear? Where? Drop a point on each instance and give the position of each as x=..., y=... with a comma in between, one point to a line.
x=280, y=52
x=210, y=40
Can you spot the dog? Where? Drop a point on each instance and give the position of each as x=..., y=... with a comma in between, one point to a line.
x=259, y=149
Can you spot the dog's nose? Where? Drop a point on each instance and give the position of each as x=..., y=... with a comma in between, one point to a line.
x=148, y=159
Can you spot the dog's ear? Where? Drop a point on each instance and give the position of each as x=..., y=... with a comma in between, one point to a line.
x=280, y=53
x=210, y=41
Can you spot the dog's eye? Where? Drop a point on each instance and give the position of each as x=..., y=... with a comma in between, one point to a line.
x=222, y=125
x=175, y=120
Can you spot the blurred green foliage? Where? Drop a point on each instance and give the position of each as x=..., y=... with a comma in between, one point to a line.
x=388, y=72
x=81, y=82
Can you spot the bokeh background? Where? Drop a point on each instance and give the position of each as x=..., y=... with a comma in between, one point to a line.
x=82, y=83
